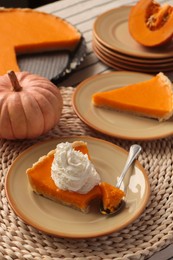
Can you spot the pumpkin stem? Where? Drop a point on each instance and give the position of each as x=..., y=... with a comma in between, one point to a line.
x=14, y=81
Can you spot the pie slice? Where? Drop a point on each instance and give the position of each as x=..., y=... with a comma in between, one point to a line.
x=41, y=182
x=111, y=197
x=39, y=176
x=152, y=98
x=29, y=31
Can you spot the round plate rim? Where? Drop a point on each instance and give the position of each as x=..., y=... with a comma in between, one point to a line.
x=107, y=132
x=22, y=216
x=120, y=49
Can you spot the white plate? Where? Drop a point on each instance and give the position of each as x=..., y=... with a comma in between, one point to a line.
x=59, y=220
x=113, y=123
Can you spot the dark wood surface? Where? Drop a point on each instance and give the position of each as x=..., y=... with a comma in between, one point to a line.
x=24, y=3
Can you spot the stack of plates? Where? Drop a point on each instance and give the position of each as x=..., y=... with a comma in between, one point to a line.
x=114, y=46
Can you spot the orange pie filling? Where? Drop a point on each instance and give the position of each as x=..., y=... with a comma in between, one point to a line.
x=28, y=31
x=40, y=179
x=152, y=98
x=111, y=196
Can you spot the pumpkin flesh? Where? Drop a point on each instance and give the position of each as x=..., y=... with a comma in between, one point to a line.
x=150, y=24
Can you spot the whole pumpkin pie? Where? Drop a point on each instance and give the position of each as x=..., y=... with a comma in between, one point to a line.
x=28, y=31
x=152, y=98
x=75, y=185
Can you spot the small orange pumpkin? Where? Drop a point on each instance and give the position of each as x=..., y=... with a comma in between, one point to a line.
x=151, y=24
x=30, y=105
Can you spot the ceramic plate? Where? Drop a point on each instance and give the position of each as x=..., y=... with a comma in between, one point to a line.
x=114, y=34
x=132, y=59
x=59, y=220
x=117, y=124
x=116, y=63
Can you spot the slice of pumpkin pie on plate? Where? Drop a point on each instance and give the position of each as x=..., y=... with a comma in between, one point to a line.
x=151, y=98
x=66, y=175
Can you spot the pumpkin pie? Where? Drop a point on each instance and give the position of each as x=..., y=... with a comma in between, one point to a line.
x=28, y=31
x=152, y=98
x=39, y=176
x=111, y=197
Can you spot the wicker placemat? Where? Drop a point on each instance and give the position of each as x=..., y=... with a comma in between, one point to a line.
x=147, y=235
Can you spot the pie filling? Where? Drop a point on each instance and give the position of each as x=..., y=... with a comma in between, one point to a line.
x=41, y=182
x=152, y=98
x=28, y=31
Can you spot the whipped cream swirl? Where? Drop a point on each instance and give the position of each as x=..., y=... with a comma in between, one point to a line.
x=72, y=170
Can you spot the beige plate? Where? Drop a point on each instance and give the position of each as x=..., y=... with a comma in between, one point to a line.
x=111, y=29
x=132, y=59
x=143, y=63
x=59, y=220
x=117, y=124
x=120, y=65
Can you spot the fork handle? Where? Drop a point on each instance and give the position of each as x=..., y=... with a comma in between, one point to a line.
x=134, y=151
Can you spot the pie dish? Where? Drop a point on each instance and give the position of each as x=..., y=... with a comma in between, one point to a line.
x=32, y=31
x=55, y=219
x=122, y=125
x=54, y=65
x=39, y=37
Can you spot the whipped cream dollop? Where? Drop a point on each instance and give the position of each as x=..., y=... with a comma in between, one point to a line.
x=72, y=170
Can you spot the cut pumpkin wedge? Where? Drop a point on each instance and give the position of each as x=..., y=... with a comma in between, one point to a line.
x=150, y=23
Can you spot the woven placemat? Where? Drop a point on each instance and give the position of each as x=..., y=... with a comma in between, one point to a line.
x=152, y=231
